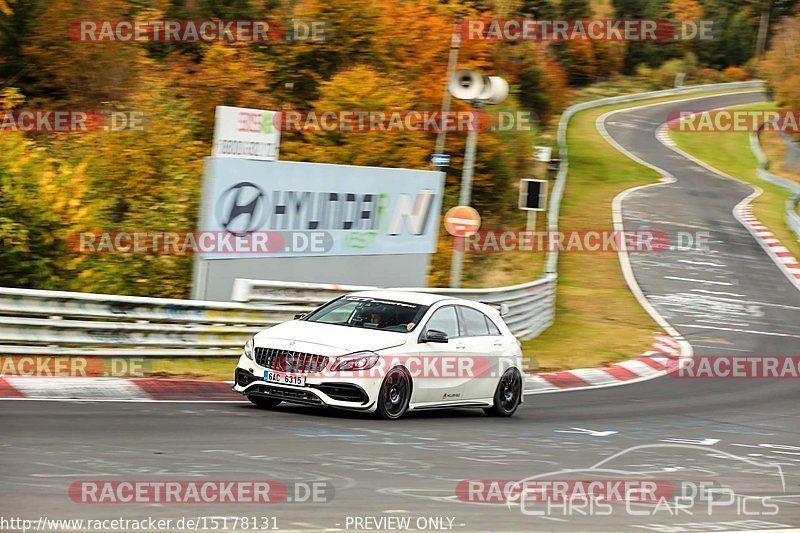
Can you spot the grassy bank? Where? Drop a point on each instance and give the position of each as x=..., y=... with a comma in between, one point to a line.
x=730, y=153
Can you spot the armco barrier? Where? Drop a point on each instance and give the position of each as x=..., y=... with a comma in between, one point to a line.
x=69, y=323
x=73, y=323
x=531, y=305
x=791, y=216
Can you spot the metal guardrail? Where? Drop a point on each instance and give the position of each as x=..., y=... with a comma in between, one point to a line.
x=531, y=305
x=74, y=323
x=791, y=216
x=70, y=323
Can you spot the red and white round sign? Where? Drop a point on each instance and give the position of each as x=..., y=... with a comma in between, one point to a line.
x=462, y=221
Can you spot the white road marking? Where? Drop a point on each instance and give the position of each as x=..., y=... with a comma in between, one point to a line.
x=590, y=432
x=755, y=303
x=717, y=348
x=703, y=442
x=726, y=322
x=704, y=281
x=718, y=292
x=700, y=263
x=736, y=330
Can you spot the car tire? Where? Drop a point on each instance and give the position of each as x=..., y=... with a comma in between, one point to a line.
x=508, y=394
x=264, y=402
x=394, y=395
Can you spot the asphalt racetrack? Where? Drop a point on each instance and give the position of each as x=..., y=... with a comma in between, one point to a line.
x=739, y=434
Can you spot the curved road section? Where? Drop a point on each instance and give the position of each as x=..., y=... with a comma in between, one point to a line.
x=668, y=455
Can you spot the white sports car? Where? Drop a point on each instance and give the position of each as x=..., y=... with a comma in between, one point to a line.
x=387, y=352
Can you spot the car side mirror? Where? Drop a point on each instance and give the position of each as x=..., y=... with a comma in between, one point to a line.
x=434, y=335
x=299, y=316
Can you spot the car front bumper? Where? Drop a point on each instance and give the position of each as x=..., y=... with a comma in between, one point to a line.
x=357, y=393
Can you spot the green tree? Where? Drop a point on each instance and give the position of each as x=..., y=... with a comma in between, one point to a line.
x=539, y=9
x=575, y=9
x=16, y=18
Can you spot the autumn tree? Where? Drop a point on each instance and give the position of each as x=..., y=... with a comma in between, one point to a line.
x=782, y=64
x=81, y=73
x=361, y=88
x=16, y=17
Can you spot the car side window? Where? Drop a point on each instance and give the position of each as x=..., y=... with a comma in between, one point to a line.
x=445, y=320
x=474, y=322
x=493, y=329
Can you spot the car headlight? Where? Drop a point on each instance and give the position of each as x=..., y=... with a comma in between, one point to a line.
x=248, y=348
x=356, y=361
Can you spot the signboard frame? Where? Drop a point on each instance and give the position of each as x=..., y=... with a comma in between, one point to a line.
x=524, y=195
x=245, y=133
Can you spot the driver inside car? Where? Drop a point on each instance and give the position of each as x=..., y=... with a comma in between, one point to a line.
x=375, y=319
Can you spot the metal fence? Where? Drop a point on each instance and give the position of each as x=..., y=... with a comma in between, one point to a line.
x=69, y=323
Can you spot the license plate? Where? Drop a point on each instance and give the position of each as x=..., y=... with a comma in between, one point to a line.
x=284, y=379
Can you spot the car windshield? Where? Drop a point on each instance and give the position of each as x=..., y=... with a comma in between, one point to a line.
x=370, y=313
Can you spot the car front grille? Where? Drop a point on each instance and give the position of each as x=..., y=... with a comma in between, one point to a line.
x=290, y=395
x=288, y=361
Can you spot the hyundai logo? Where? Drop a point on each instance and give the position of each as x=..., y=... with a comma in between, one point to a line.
x=241, y=209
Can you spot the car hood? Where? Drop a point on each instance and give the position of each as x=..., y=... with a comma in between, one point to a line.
x=327, y=339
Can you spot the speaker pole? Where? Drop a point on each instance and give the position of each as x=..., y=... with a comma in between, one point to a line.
x=455, y=44
x=464, y=199
x=531, y=225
